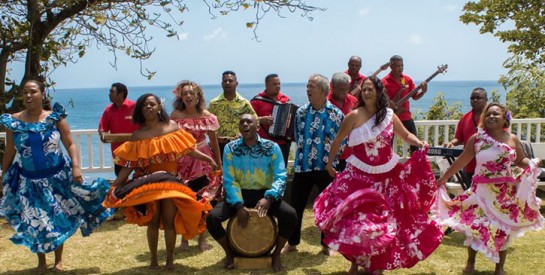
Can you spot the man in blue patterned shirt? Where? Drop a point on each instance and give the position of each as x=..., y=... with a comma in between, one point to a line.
x=254, y=175
x=316, y=124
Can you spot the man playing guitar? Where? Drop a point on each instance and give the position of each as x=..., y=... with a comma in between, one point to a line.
x=397, y=85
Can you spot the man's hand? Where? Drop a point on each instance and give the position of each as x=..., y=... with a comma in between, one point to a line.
x=243, y=215
x=262, y=207
x=266, y=120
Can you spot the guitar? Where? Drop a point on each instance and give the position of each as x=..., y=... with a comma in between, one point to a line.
x=397, y=101
x=355, y=89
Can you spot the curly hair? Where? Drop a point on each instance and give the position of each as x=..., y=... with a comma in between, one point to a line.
x=178, y=103
x=505, y=113
x=381, y=102
x=137, y=113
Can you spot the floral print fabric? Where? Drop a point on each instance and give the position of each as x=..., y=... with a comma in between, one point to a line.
x=315, y=130
x=41, y=201
x=497, y=207
x=375, y=214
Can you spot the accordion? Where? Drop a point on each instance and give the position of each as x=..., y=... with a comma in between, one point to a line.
x=283, y=121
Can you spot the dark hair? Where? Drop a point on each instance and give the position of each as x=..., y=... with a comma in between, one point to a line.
x=121, y=88
x=480, y=89
x=268, y=77
x=228, y=72
x=46, y=102
x=381, y=102
x=138, y=116
x=395, y=58
x=178, y=102
x=506, y=114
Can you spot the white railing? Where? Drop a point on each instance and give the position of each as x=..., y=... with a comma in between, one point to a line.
x=95, y=156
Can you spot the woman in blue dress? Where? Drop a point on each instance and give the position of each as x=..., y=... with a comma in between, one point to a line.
x=45, y=197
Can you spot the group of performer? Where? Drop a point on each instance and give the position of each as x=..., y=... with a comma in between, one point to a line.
x=371, y=208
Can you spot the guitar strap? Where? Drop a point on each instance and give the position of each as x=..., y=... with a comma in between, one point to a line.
x=403, y=87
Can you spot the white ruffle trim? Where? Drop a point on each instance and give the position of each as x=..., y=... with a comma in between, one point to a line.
x=367, y=131
x=379, y=169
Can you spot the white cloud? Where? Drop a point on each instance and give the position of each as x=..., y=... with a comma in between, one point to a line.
x=450, y=7
x=363, y=12
x=415, y=39
x=183, y=36
x=217, y=34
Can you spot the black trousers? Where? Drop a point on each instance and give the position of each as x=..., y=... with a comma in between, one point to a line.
x=411, y=127
x=285, y=148
x=285, y=214
x=300, y=190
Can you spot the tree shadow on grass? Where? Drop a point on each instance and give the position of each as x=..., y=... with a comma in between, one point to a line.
x=79, y=271
x=178, y=269
x=311, y=235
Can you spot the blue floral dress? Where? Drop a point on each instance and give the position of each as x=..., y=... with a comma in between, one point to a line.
x=41, y=201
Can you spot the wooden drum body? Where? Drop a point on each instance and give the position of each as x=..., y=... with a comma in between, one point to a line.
x=257, y=239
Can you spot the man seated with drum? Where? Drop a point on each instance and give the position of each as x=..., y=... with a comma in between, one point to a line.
x=254, y=176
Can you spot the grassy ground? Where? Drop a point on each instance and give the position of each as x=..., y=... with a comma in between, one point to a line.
x=120, y=248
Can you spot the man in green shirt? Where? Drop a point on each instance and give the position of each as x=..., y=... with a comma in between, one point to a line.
x=228, y=108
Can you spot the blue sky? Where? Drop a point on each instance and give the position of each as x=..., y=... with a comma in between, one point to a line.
x=427, y=33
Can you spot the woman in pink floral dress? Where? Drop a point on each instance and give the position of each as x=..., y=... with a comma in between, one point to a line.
x=191, y=115
x=375, y=211
x=498, y=207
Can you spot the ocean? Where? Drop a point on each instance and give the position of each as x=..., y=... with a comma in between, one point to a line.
x=85, y=105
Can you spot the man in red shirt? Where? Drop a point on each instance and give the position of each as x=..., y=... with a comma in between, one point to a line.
x=467, y=126
x=354, y=66
x=339, y=97
x=398, y=85
x=263, y=106
x=117, y=117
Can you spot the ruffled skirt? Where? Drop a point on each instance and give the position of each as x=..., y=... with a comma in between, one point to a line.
x=491, y=215
x=380, y=221
x=139, y=200
x=47, y=210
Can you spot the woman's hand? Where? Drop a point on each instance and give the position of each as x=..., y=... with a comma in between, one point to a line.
x=76, y=175
x=332, y=172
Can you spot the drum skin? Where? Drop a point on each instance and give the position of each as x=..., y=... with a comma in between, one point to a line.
x=257, y=239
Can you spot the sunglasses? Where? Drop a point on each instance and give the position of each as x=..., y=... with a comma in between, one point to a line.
x=476, y=98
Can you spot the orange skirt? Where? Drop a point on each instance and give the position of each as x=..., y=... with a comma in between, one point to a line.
x=191, y=216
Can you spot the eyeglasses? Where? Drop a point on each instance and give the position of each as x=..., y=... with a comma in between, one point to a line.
x=476, y=98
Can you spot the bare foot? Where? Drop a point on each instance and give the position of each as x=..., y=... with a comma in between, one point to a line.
x=169, y=266
x=229, y=262
x=327, y=251
x=499, y=271
x=40, y=269
x=276, y=263
x=353, y=269
x=184, y=246
x=154, y=265
x=288, y=248
x=203, y=246
x=469, y=269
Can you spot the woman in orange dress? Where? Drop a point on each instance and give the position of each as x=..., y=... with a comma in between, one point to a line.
x=155, y=197
x=191, y=115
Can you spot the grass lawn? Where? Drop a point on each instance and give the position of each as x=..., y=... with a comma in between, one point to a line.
x=120, y=248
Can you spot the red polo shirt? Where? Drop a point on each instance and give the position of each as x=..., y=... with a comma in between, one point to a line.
x=467, y=126
x=392, y=88
x=263, y=108
x=355, y=81
x=349, y=103
x=118, y=120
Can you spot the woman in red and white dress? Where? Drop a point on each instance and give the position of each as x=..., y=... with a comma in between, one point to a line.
x=375, y=211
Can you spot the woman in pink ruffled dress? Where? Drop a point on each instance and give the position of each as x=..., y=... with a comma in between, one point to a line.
x=191, y=115
x=375, y=211
x=498, y=207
